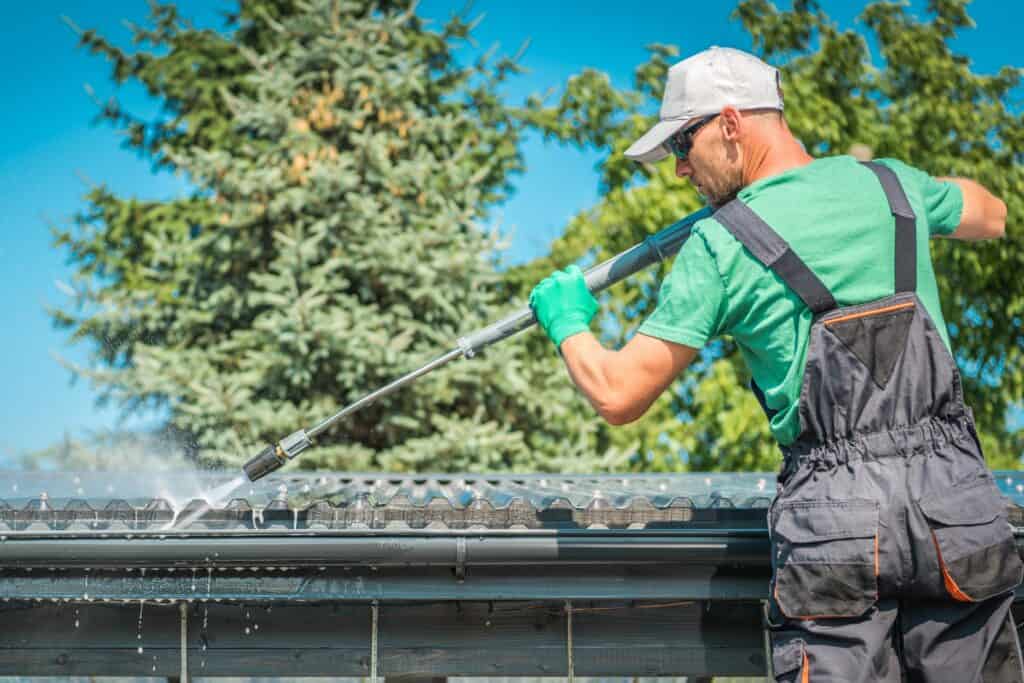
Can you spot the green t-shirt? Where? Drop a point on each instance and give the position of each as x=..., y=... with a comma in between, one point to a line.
x=834, y=215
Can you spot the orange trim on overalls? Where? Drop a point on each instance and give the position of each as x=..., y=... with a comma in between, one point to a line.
x=865, y=314
x=951, y=587
x=805, y=677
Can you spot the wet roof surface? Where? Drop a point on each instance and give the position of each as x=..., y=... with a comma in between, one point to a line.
x=122, y=502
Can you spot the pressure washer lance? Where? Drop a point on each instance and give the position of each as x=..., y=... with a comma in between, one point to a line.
x=652, y=250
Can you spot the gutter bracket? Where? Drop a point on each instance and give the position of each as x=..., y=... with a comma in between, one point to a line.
x=460, y=558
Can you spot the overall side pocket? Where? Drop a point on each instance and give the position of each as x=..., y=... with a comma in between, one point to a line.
x=825, y=558
x=789, y=663
x=974, y=545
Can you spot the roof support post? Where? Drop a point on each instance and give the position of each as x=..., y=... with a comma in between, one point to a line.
x=183, y=608
x=767, y=643
x=568, y=629
x=375, y=609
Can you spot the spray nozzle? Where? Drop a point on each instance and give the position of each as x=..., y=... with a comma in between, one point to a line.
x=274, y=456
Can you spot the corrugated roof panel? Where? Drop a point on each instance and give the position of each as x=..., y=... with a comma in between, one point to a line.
x=53, y=502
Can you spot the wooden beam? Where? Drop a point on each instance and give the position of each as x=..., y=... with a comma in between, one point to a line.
x=520, y=638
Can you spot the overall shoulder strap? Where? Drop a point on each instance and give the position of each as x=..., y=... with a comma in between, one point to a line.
x=906, y=242
x=769, y=248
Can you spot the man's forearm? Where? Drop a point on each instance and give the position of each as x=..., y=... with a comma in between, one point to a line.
x=586, y=361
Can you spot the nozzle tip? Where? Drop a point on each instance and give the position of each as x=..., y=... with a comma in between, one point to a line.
x=263, y=464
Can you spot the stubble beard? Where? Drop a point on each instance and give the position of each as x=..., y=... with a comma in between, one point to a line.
x=722, y=190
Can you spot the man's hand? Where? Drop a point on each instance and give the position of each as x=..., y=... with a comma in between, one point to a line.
x=563, y=304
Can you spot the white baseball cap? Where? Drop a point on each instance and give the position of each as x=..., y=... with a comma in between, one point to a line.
x=702, y=85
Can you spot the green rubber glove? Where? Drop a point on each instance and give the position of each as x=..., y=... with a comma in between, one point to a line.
x=563, y=304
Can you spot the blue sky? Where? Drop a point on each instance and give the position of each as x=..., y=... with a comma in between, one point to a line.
x=49, y=150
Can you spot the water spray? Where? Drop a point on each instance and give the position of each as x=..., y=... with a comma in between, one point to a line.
x=653, y=249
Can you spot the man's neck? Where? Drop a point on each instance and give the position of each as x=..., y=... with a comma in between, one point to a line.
x=770, y=158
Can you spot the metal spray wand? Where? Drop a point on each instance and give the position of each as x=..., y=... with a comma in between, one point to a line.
x=654, y=249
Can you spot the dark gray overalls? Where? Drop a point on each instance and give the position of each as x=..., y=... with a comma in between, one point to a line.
x=892, y=557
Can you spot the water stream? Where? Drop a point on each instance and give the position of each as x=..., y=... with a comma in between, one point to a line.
x=142, y=603
x=214, y=498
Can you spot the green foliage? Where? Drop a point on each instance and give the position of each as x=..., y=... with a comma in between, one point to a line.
x=924, y=105
x=343, y=163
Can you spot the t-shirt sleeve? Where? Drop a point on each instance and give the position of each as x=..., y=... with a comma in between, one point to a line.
x=691, y=299
x=943, y=200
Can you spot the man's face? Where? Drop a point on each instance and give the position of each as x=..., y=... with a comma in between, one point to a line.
x=714, y=165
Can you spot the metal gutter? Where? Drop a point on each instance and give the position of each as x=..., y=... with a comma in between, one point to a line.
x=746, y=547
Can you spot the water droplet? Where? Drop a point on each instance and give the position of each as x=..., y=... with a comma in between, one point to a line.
x=255, y=627
x=140, y=650
x=246, y=630
x=138, y=636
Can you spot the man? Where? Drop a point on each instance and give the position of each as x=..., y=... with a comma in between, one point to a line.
x=892, y=558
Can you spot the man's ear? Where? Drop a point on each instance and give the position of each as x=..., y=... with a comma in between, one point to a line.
x=731, y=121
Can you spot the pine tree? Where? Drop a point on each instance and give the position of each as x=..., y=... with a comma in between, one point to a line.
x=343, y=165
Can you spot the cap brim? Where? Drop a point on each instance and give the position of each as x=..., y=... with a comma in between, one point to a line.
x=649, y=148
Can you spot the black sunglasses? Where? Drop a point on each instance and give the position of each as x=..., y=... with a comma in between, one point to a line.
x=680, y=143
